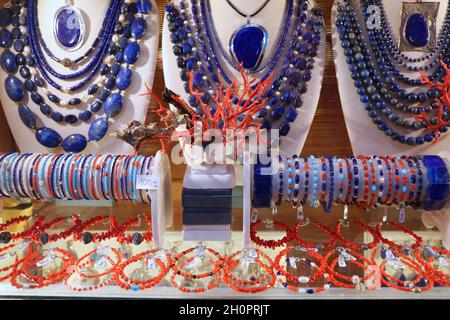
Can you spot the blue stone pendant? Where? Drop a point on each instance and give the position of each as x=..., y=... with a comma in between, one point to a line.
x=418, y=26
x=68, y=28
x=248, y=45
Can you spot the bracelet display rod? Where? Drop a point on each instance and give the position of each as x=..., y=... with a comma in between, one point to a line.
x=368, y=182
x=70, y=176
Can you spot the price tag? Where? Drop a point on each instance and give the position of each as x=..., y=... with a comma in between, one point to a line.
x=145, y=182
x=45, y=261
x=390, y=255
x=246, y=261
x=402, y=215
x=103, y=250
x=252, y=253
x=347, y=256
x=101, y=263
x=4, y=256
x=151, y=263
x=293, y=262
x=24, y=245
x=443, y=261
x=341, y=262
x=396, y=264
x=200, y=251
x=432, y=252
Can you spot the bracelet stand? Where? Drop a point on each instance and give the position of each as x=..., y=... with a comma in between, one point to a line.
x=160, y=197
x=210, y=184
x=440, y=219
x=364, y=135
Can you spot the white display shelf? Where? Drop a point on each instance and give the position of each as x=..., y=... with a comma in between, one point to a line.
x=60, y=291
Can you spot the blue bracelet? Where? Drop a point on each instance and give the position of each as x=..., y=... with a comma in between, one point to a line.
x=438, y=190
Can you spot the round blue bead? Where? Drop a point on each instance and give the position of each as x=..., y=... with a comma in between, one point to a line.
x=138, y=28
x=131, y=53
x=284, y=129
x=53, y=98
x=113, y=105
x=57, y=116
x=5, y=16
x=27, y=116
x=96, y=106
x=74, y=143
x=29, y=85
x=70, y=118
x=37, y=98
x=98, y=129
x=124, y=78
x=291, y=115
x=92, y=89
x=48, y=137
x=85, y=115
x=45, y=109
x=5, y=38
x=8, y=61
x=74, y=101
x=14, y=88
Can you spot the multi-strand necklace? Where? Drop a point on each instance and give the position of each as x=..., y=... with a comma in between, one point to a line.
x=290, y=65
x=375, y=75
x=101, y=81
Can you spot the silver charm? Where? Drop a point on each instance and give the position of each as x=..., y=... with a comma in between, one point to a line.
x=418, y=11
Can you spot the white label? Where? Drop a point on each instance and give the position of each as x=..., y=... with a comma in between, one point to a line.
x=246, y=261
x=396, y=264
x=390, y=255
x=347, y=256
x=443, y=261
x=252, y=253
x=45, y=261
x=103, y=250
x=293, y=262
x=151, y=263
x=4, y=256
x=200, y=251
x=341, y=262
x=147, y=182
x=24, y=245
x=402, y=215
x=101, y=263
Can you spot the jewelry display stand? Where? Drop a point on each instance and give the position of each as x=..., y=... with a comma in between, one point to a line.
x=227, y=21
x=135, y=106
x=364, y=135
x=440, y=219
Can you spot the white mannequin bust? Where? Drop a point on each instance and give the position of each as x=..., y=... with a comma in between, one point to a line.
x=364, y=135
x=226, y=21
x=135, y=106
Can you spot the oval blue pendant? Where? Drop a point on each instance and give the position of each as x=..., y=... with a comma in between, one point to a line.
x=69, y=27
x=416, y=30
x=248, y=45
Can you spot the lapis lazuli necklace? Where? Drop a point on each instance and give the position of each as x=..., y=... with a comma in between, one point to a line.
x=377, y=88
x=249, y=42
x=291, y=63
x=111, y=59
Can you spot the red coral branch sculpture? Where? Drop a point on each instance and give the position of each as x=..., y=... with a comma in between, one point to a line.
x=444, y=88
x=235, y=107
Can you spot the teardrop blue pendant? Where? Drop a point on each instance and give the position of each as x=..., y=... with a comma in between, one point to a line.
x=248, y=45
x=69, y=27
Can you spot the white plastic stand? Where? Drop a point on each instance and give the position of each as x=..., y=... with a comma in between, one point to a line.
x=135, y=106
x=226, y=21
x=161, y=200
x=247, y=200
x=364, y=134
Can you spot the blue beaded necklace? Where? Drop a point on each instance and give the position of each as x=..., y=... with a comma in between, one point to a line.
x=126, y=50
x=199, y=55
x=377, y=88
x=383, y=42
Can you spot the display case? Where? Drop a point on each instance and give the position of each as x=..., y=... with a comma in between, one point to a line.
x=104, y=194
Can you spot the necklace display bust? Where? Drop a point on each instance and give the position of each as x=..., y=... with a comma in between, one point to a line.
x=134, y=106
